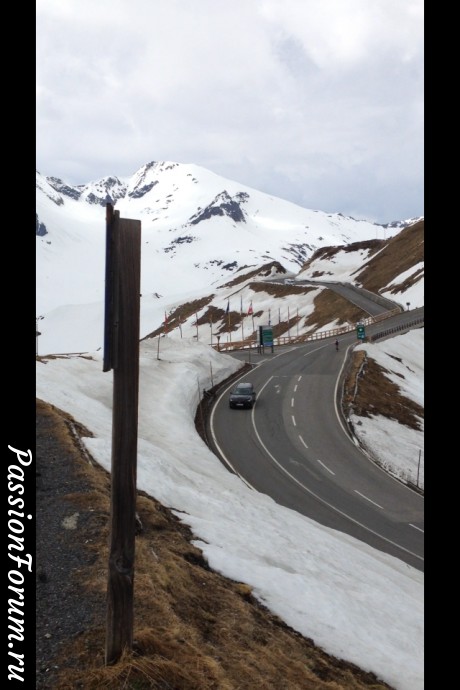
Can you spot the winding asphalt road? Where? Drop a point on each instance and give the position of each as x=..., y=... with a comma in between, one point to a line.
x=294, y=446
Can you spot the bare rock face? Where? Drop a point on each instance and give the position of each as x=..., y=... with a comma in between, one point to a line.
x=223, y=205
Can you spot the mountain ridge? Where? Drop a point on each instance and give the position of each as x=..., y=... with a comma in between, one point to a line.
x=138, y=185
x=198, y=232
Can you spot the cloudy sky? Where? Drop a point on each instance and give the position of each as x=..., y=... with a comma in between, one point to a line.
x=320, y=102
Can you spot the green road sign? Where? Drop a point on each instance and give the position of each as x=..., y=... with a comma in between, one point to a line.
x=266, y=336
x=360, y=331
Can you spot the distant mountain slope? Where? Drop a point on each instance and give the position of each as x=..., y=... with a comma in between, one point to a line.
x=388, y=267
x=398, y=265
x=204, y=240
x=195, y=224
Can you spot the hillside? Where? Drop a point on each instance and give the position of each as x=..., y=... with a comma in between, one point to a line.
x=202, y=226
x=388, y=267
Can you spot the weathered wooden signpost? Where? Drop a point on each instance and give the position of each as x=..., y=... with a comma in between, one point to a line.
x=121, y=354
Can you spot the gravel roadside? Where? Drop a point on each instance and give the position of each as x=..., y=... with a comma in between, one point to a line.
x=63, y=609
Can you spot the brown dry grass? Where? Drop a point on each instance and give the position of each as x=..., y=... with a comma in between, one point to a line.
x=260, y=271
x=329, y=306
x=193, y=628
x=330, y=252
x=368, y=391
x=388, y=259
x=180, y=315
x=397, y=255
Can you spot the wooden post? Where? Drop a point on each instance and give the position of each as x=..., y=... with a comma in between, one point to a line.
x=125, y=253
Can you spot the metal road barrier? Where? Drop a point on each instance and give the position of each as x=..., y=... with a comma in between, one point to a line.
x=252, y=343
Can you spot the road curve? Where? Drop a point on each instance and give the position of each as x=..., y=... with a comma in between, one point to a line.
x=294, y=446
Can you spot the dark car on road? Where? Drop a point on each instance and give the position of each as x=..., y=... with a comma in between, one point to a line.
x=243, y=395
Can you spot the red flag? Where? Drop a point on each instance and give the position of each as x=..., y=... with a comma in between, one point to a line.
x=166, y=320
x=250, y=309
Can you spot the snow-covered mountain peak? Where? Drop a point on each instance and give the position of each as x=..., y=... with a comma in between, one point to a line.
x=197, y=229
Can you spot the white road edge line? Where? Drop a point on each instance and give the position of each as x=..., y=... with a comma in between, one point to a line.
x=302, y=441
x=325, y=466
x=367, y=499
x=415, y=527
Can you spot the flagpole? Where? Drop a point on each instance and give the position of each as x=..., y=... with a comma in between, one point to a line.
x=251, y=313
x=228, y=321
